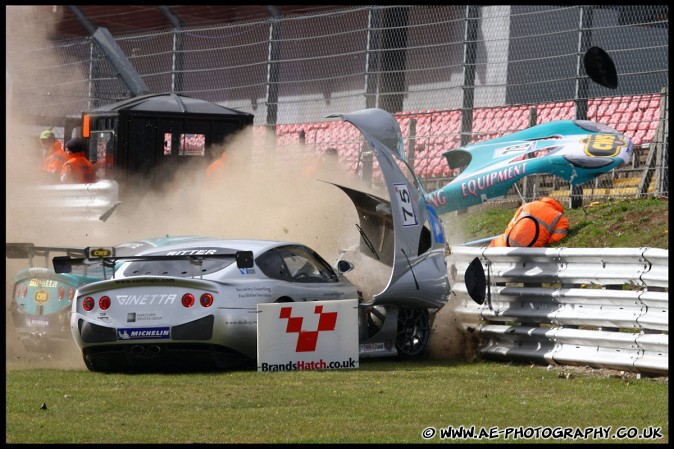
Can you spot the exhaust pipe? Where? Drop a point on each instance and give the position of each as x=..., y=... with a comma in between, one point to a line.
x=137, y=349
x=154, y=350
x=37, y=338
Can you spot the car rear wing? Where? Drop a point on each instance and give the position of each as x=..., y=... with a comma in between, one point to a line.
x=64, y=264
x=29, y=251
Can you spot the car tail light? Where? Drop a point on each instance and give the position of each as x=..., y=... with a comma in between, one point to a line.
x=24, y=291
x=62, y=293
x=206, y=299
x=88, y=303
x=104, y=303
x=71, y=294
x=17, y=294
x=188, y=300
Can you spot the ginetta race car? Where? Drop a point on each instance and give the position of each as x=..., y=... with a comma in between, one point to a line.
x=194, y=304
x=577, y=151
x=42, y=299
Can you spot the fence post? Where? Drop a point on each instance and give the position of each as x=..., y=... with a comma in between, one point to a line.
x=469, y=55
x=584, y=39
x=411, y=141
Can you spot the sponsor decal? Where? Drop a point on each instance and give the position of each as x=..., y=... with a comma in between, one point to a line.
x=368, y=348
x=101, y=252
x=46, y=283
x=132, y=317
x=146, y=300
x=483, y=182
x=603, y=145
x=37, y=322
x=247, y=270
x=144, y=333
x=192, y=252
x=253, y=292
x=437, y=199
x=41, y=296
x=519, y=148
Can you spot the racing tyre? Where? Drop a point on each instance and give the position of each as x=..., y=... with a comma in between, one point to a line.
x=414, y=332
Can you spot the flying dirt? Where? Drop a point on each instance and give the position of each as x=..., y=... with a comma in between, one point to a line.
x=267, y=193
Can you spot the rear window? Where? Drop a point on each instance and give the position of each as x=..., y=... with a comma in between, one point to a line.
x=203, y=262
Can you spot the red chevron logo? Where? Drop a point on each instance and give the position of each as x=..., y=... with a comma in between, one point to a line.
x=307, y=340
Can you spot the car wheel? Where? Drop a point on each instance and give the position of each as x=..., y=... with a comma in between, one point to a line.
x=414, y=332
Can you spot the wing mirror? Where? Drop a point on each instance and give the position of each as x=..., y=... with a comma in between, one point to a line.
x=244, y=259
x=476, y=283
x=344, y=266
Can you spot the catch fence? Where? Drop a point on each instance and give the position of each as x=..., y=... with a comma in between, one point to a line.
x=463, y=72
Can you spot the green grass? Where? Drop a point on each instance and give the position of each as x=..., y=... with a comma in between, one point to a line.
x=630, y=223
x=381, y=402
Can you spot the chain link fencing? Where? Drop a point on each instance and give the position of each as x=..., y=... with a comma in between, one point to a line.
x=459, y=73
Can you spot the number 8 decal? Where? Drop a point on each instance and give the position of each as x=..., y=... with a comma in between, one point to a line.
x=409, y=218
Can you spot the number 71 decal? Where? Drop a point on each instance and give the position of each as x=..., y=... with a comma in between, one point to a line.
x=409, y=218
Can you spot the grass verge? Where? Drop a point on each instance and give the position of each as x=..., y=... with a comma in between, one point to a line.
x=382, y=402
x=632, y=223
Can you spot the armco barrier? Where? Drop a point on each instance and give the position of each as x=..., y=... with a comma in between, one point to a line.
x=600, y=307
x=73, y=202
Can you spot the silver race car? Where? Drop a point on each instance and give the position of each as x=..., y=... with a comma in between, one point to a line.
x=42, y=301
x=194, y=304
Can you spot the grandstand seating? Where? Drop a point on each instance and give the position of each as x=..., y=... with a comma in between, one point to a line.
x=437, y=131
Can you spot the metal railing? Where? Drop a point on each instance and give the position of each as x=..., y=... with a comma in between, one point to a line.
x=67, y=202
x=600, y=307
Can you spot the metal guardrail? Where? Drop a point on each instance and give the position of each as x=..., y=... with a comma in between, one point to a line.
x=600, y=307
x=72, y=202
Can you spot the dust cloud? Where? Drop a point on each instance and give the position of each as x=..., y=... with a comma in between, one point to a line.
x=266, y=193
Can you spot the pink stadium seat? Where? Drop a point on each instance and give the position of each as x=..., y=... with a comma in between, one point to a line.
x=638, y=137
x=614, y=118
x=649, y=114
x=610, y=110
x=601, y=109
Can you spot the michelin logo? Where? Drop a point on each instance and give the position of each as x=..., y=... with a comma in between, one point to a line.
x=148, y=333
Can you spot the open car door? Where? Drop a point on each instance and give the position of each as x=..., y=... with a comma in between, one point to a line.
x=404, y=232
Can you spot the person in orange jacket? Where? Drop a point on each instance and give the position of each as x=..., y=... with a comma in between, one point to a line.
x=536, y=224
x=215, y=172
x=77, y=169
x=54, y=156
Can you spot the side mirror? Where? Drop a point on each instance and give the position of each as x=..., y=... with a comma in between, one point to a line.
x=244, y=259
x=344, y=266
x=62, y=264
